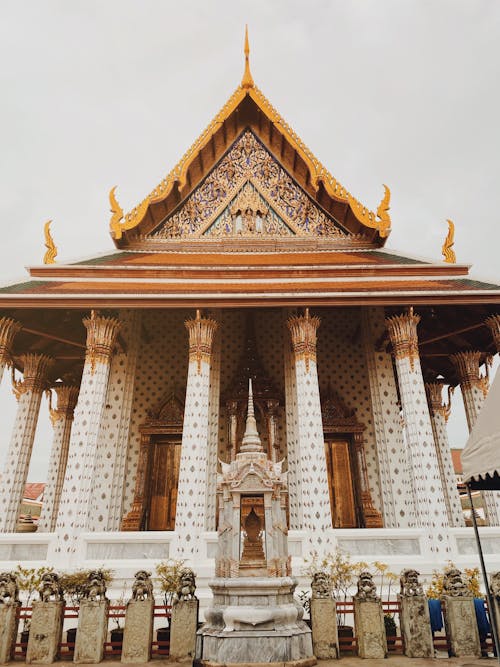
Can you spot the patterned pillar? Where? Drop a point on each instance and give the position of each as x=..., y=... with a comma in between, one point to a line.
x=440, y=412
x=191, y=508
x=213, y=438
x=292, y=443
x=62, y=421
x=8, y=331
x=75, y=503
x=315, y=495
x=430, y=505
x=398, y=498
x=474, y=389
x=28, y=392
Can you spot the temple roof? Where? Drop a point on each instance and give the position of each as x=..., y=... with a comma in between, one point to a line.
x=249, y=110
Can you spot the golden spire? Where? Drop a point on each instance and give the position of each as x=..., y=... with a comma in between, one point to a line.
x=449, y=242
x=251, y=440
x=247, y=80
x=51, y=254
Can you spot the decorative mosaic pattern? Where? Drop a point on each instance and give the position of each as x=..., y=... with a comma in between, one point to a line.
x=398, y=503
x=246, y=161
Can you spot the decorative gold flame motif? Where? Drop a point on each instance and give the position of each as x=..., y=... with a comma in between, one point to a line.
x=51, y=254
x=449, y=242
x=247, y=80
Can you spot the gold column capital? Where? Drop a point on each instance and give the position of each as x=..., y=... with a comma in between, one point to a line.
x=303, y=332
x=35, y=371
x=403, y=334
x=102, y=332
x=434, y=391
x=467, y=367
x=493, y=324
x=201, y=335
x=67, y=397
x=8, y=330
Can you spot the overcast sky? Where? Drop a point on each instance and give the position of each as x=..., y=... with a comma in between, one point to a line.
x=112, y=92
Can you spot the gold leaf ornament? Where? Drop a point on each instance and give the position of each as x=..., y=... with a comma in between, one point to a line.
x=449, y=242
x=51, y=254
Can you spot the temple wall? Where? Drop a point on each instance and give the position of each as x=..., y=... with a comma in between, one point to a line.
x=341, y=361
x=161, y=367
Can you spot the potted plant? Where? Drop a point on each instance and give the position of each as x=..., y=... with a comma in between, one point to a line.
x=29, y=581
x=168, y=572
x=391, y=629
x=305, y=600
x=117, y=631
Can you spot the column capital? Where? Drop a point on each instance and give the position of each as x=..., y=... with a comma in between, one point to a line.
x=102, y=332
x=434, y=391
x=8, y=330
x=35, y=371
x=67, y=397
x=201, y=335
x=467, y=367
x=303, y=330
x=403, y=334
x=493, y=324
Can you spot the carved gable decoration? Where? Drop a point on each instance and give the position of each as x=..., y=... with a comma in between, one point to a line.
x=170, y=412
x=248, y=193
x=336, y=415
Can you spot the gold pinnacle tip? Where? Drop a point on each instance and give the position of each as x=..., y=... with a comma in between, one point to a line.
x=247, y=80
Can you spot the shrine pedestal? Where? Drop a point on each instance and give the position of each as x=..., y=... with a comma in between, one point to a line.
x=45, y=632
x=9, y=621
x=461, y=626
x=138, y=631
x=416, y=626
x=254, y=620
x=370, y=629
x=92, y=631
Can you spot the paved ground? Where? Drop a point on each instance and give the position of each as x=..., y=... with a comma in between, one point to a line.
x=392, y=661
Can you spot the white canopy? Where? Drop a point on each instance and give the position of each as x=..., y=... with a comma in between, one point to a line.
x=481, y=454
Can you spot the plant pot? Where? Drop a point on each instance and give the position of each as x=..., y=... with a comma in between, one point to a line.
x=25, y=634
x=117, y=638
x=391, y=630
x=346, y=636
x=163, y=634
x=71, y=635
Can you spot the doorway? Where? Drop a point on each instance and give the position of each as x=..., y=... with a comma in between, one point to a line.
x=165, y=456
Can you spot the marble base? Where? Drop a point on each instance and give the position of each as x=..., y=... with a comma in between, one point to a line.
x=254, y=620
x=416, y=626
x=370, y=629
x=9, y=621
x=183, y=627
x=92, y=631
x=138, y=631
x=461, y=626
x=324, y=628
x=45, y=632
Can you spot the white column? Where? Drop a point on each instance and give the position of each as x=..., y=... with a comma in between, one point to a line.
x=62, y=421
x=293, y=458
x=440, y=412
x=111, y=456
x=398, y=500
x=28, y=392
x=315, y=495
x=213, y=437
x=8, y=331
x=191, y=508
x=430, y=505
x=474, y=389
x=75, y=504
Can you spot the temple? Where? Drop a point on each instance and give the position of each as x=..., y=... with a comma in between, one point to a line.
x=249, y=260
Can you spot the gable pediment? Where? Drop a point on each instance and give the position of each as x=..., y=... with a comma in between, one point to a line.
x=248, y=193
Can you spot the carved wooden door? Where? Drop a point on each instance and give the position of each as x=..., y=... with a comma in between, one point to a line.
x=164, y=471
x=340, y=480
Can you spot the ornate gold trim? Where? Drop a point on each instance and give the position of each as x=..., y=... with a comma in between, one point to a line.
x=467, y=367
x=434, y=392
x=380, y=220
x=447, y=249
x=201, y=335
x=51, y=254
x=403, y=334
x=8, y=330
x=35, y=371
x=303, y=334
x=101, y=337
x=67, y=398
x=247, y=80
x=493, y=324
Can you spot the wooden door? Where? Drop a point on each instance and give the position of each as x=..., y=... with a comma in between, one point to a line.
x=164, y=476
x=340, y=481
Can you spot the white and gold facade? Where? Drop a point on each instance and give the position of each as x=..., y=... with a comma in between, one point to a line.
x=248, y=261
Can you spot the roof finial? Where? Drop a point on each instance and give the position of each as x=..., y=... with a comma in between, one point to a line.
x=251, y=441
x=247, y=80
x=447, y=249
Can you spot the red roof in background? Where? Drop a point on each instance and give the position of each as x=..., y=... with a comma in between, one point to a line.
x=457, y=461
x=33, y=490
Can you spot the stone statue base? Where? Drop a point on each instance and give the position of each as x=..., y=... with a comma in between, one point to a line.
x=9, y=620
x=138, y=631
x=92, y=631
x=45, y=632
x=254, y=620
x=183, y=627
x=370, y=629
x=416, y=626
x=461, y=626
x=324, y=628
